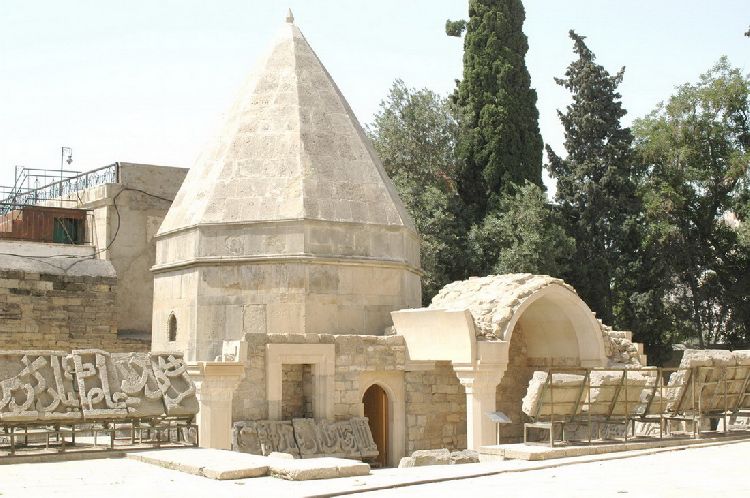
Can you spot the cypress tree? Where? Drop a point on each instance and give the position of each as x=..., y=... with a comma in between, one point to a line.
x=596, y=186
x=499, y=145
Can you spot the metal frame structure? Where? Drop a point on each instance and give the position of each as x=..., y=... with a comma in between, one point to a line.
x=695, y=394
x=154, y=428
x=34, y=186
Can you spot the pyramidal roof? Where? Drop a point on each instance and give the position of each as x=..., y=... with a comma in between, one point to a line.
x=291, y=148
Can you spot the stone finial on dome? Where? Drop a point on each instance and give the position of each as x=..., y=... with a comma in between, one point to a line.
x=289, y=16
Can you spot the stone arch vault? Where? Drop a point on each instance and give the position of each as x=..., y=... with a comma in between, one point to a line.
x=475, y=320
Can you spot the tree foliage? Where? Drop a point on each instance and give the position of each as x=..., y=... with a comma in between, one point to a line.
x=696, y=148
x=523, y=235
x=499, y=144
x=595, y=182
x=414, y=133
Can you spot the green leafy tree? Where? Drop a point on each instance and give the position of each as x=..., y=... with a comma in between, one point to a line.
x=596, y=186
x=696, y=148
x=499, y=144
x=414, y=133
x=523, y=235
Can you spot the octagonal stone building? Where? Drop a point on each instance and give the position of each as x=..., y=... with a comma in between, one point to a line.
x=287, y=223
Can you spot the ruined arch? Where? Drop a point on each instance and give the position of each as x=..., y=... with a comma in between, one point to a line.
x=477, y=320
x=559, y=327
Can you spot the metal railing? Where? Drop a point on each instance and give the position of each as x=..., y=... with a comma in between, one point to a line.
x=27, y=192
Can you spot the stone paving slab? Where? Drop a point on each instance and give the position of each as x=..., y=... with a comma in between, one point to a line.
x=543, y=452
x=224, y=464
x=126, y=478
x=215, y=464
x=317, y=468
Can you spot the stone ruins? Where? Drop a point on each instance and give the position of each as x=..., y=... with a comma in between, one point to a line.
x=47, y=390
x=286, y=286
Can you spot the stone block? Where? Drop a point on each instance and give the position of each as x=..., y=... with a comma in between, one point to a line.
x=175, y=384
x=316, y=468
x=37, y=386
x=431, y=457
x=277, y=436
x=211, y=463
x=464, y=456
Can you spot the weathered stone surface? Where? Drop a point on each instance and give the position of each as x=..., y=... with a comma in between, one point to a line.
x=133, y=374
x=464, y=456
x=363, y=437
x=174, y=382
x=325, y=438
x=406, y=462
x=283, y=456
x=566, y=388
x=276, y=436
x=37, y=386
x=245, y=438
x=613, y=393
x=317, y=468
x=431, y=457
x=292, y=153
x=43, y=308
x=492, y=300
x=211, y=463
x=100, y=398
x=305, y=438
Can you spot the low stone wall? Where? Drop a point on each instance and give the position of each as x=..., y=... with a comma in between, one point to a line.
x=58, y=311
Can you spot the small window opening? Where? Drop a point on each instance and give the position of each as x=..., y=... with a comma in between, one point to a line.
x=172, y=327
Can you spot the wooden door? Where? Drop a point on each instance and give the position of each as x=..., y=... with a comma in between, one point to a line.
x=376, y=411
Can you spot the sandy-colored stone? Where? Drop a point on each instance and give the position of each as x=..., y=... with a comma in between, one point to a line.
x=211, y=463
x=317, y=468
x=285, y=220
x=431, y=457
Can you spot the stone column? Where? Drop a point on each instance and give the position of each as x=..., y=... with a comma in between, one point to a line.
x=480, y=379
x=480, y=387
x=215, y=382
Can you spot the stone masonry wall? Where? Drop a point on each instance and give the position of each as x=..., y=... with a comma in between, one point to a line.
x=296, y=391
x=435, y=401
x=60, y=312
x=357, y=354
x=435, y=409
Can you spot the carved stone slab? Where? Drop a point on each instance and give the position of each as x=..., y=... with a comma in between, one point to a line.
x=306, y=438
x=177, y=388
x=321, y=437
x=363, y=436
x=245, y=438
x=134, y=376
x=276, y=436
x=100, y=398
x=36, y=385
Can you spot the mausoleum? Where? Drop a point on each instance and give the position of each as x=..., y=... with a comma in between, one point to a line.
x=288, y=252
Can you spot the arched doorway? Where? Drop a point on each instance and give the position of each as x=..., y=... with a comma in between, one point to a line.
x=375, y=401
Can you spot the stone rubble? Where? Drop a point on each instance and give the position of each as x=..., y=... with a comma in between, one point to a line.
x=443, y=456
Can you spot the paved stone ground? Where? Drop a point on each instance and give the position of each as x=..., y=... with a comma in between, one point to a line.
x=715, y=471
x=719, y=470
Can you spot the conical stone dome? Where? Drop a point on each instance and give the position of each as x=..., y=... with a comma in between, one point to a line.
x=287, y=223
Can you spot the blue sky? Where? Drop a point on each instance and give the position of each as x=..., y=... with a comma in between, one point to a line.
x=148, y=80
